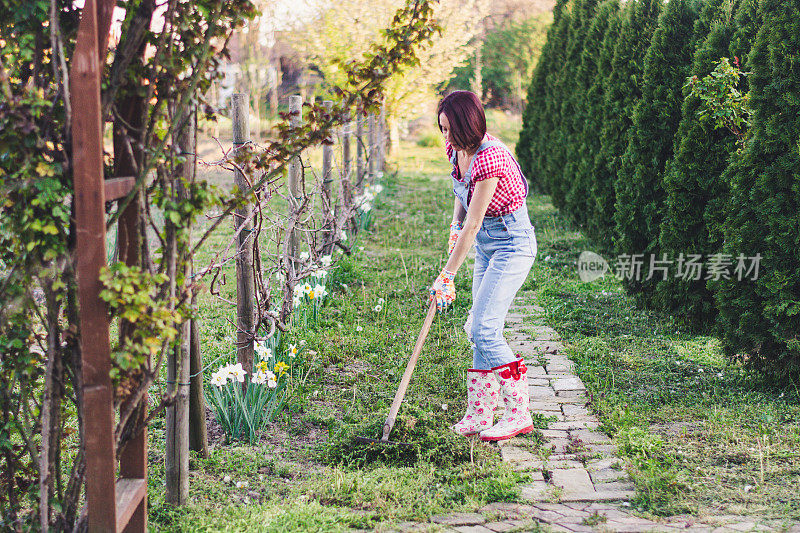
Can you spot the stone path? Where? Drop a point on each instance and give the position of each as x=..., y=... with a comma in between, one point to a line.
x=579, y=483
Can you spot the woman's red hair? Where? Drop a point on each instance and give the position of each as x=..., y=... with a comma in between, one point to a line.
x=464, y=111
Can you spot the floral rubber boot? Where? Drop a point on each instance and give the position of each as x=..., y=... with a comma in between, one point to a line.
x=482, y=391
x=513, y=379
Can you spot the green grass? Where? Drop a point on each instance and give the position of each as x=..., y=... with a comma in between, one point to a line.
x=689, y=438
x=687, y=422
x=306, y=474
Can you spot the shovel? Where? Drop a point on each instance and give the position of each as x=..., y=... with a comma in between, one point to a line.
x=401, y=390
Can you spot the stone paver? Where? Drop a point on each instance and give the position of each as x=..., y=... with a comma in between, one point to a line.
x=582, y=479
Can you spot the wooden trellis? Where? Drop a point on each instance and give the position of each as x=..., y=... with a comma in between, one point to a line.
x=113, y=504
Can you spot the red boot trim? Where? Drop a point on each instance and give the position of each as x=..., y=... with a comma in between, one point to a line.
x=478, y=370
x=514, y=368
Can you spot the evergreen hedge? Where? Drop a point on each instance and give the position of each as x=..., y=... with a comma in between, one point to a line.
x=611, y=136
x=695, y=191
x=570, y=84
x=623, y=90
x=584, y=126
x=638, y=187
x=760, y=318
x=537, y=95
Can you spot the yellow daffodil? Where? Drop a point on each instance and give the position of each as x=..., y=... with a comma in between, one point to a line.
x=281, y=368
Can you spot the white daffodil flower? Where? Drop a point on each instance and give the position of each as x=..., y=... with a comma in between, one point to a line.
x=263, y=352
x=237, y=373
x=218, y=379
x=259, y=378
x=378, y=308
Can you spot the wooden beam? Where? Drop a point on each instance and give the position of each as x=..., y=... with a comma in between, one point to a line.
x=131, y=492
x=116, y=188
x=98, y=401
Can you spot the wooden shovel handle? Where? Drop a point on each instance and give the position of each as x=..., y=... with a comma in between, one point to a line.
x=401, y=390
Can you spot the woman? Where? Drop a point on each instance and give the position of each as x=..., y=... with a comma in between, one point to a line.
x=489, y=211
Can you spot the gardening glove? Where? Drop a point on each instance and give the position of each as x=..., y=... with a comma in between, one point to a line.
x=455, y=231
x=443, y=289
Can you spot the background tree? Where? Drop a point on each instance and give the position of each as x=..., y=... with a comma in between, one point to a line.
x=529, y=134
x=570, y=84
x=759, y=319
x=623, y=91
x=638, y=188
x=693, y=178
x=593, y=70
x=343, y=30
x=509, y=54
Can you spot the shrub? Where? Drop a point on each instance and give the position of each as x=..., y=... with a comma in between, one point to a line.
x=760, y=318
x=595, y=63
x=622, y=92
x=534, y=135
x=638, y=187
x=430, y=140
x=695, y=191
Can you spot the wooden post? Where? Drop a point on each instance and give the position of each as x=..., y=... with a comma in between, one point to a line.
x=382, y=139
x=327, y=181
x=372, y=151
x=198, y=431
x=177, y=416
x=295, y=168
x=273, y=89
x=359, y=150
x=98, y=401
x=347, y=132
x=243, y=225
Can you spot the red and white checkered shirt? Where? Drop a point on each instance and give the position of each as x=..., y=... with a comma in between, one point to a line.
x=495, y=162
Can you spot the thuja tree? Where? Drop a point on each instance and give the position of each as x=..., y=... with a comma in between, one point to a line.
x=535, y=123
x=593, y=69
x=759, y=315
x=149, y=87
x=693, y=180
x=638, y=188
x=623, y=90
x=571, y=82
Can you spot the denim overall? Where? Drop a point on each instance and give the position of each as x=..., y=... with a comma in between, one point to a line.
x=505, y=248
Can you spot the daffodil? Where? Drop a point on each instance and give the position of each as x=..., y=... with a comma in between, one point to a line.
x=259, y=377
x=218, y=379
x=292, y=350
x=262, y=351
x=319, y=291
x=359, y=328
x=281, y=368
x=378, y=308
x=307, y=288
x=237, y=373
x=326, y=261
x=263, y=366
